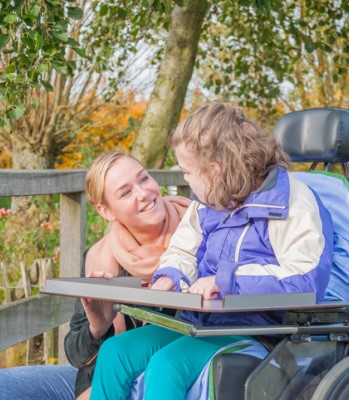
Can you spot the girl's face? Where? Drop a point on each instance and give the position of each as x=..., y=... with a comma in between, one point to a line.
x=132, y=196
x=192, y=174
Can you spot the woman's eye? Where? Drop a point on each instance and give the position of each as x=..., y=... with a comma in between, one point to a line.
x=125, y=193
x=145, y=178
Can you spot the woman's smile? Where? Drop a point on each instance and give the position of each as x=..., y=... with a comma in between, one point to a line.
x=149, y=206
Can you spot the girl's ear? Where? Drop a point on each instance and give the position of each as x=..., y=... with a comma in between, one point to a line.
x=104, y=211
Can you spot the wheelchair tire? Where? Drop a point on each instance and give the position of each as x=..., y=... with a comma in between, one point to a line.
x=335, y=384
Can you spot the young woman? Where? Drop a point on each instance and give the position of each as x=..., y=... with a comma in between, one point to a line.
x=254, y=229
x=142, y=222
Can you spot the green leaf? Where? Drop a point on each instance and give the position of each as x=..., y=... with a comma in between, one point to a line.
x=62, y=69
x=5, y=123
x=10, y=76
x=73, y=42
x=81, y=52
x=39, y=41
x=41, y=68
x=10, y=69
x=104, y=10
x=35, y=85
x=328, y=48
x=34, y=11
x=60, y=36
x=122, y=13
x=17, y=112
x=3, y=40
x=309, y=45
x=10, y=18
x=75, y=12
x=61, y=25
x=47, y=85
x=28, y=42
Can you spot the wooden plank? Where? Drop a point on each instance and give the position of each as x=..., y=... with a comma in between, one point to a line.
x=23, y=319
x=168, y=178
x=25, y=182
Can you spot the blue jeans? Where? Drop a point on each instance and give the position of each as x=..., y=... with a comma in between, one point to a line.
x=171, y=361
x=39, y=382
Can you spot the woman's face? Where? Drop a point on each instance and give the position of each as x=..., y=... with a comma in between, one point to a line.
x=132, y=196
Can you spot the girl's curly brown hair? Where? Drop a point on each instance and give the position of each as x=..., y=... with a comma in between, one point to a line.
x=222, y=134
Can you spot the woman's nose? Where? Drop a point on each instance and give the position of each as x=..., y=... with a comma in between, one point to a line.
x=140, y=192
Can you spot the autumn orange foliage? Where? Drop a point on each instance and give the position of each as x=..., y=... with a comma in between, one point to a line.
x=110, y=126
x=5, y=158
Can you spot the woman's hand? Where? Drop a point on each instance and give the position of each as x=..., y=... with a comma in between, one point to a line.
x=99, y=313
x=163, y=283
x=206, y=287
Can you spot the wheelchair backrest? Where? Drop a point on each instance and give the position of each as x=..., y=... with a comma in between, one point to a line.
x=315, y=135
x=322, y=135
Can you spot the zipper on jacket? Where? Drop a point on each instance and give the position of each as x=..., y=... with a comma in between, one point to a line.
x=238, y=245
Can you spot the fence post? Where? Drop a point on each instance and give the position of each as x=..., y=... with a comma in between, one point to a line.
x=27, y=292
x=7, y=289
x=50, y=338
x=73, y=243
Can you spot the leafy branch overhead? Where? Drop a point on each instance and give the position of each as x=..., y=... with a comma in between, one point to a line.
x=34, y=35
x=60, y=60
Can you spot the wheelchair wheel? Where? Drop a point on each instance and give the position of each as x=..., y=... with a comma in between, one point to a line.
x=335, y=384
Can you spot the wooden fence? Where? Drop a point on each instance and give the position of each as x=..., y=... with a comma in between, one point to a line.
x=23, y=319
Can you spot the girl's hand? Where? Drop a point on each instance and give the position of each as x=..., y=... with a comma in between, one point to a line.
x=206, y=287
x=163, y=283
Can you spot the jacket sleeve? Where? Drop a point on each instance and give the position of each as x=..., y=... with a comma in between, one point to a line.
x=179, y=262
x=303, y=248
x=80, y=348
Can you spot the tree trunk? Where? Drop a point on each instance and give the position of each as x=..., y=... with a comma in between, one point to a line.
x=174, y=74
x=28, y=158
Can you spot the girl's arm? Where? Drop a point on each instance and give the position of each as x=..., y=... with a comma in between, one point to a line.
x=179, y=262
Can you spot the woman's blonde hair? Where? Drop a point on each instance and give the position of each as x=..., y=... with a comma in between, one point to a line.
x=220, y=133
x=95, y=177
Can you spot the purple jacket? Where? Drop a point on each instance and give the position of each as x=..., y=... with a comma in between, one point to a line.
x=278, y=241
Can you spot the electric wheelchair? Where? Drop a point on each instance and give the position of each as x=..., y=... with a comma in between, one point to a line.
x=308, y=356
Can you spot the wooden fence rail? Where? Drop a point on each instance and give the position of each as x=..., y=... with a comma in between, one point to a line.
x=23, y=319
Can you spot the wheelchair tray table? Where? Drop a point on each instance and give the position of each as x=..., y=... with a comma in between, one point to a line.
x=133, y=299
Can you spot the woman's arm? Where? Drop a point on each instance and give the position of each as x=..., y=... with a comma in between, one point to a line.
x=79, y=345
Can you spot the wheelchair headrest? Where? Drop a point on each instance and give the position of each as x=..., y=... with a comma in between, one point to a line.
x=315, y=135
